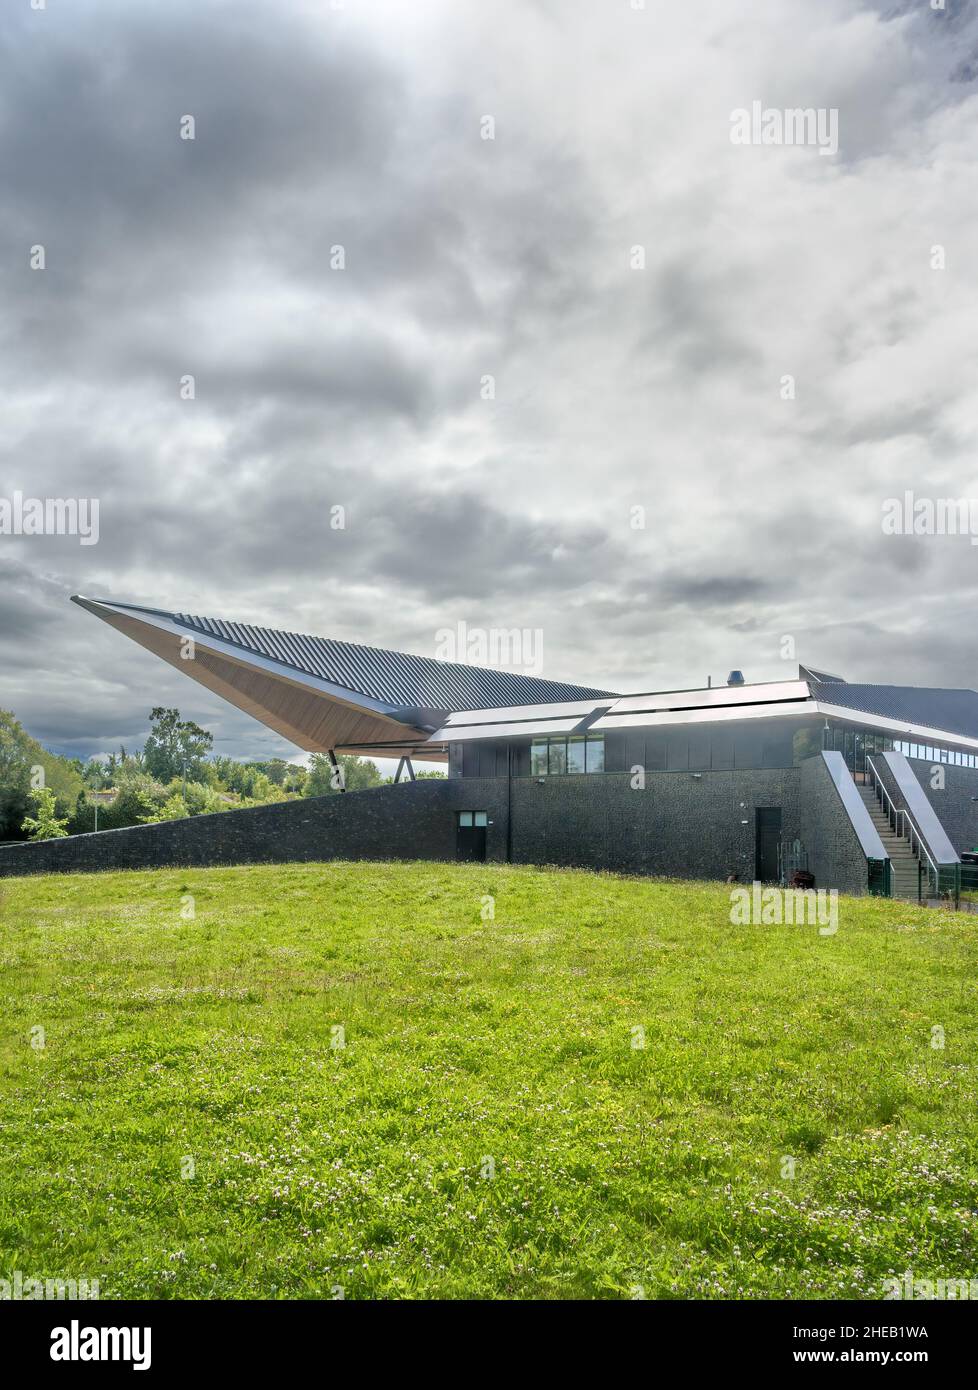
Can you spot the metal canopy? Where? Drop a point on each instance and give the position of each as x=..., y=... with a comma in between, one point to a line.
x=713, y=697
x=466, y=733
x=653, y=719
x=553, y=710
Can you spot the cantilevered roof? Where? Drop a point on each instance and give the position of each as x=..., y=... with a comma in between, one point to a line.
x=398, y=678
x=954, y=711
x=323, y=694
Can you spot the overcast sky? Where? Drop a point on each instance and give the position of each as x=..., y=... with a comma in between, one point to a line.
x=362, y=125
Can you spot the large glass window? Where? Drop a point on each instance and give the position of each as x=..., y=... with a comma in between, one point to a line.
x=558, y=756
x=576, y=755
x=553, y=756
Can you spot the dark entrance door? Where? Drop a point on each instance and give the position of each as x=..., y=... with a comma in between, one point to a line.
x=470, y=836
x=767, y=838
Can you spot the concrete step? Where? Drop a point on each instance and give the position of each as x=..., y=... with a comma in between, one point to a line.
x=904, y=864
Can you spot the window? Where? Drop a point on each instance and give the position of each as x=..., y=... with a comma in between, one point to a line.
x=465, y=818
x=553, y=756
x=558, y=756
x=469, y=820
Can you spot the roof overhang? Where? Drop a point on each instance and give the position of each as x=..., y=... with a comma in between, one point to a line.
x=719, y=714
x=311, y=713
x=918, y=733
x=656, y=708
x=775, y=700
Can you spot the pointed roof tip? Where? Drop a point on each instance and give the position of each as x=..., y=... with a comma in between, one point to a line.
x=92, y=605
x=395, y=678
x=95, y=604
x=820, y=677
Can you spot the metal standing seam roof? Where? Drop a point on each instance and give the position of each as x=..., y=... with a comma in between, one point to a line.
x=953, y=711
x=395, y=678
x=431, y=688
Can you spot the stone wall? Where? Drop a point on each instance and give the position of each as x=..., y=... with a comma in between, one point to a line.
x=953, y=805
x=679, y=825
x=408, y=821
x=835, y=855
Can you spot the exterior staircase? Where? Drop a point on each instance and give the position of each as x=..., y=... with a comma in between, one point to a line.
x=906, y=880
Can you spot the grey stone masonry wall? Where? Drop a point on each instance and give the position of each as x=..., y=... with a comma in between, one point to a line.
x=835, y=855
x=678, y=825
x=953, y=805
x=407, y=821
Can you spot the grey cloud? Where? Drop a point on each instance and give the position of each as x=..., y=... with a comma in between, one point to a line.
x=467, y=257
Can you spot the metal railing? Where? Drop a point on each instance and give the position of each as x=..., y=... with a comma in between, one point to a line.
x=903, y=824
x=879, y=878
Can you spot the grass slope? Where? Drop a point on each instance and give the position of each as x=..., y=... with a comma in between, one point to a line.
x=488, y=1130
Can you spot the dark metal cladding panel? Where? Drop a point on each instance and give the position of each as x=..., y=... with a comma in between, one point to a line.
x=396, y=678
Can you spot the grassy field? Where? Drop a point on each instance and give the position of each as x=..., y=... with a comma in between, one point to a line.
x=334, y=1076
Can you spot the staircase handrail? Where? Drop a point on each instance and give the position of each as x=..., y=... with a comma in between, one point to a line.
x=894, y=814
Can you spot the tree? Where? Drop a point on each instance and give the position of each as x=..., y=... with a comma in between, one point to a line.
x=45, y=825
x=138, y=795
x=175, y=747
x=173, y=808
x=289, y=776
x=26, y=767
x=96, y=773
x=357, y=774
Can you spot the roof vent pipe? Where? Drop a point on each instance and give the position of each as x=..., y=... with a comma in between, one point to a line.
x=736, y=678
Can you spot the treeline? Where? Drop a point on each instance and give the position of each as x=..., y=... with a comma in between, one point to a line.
x=173, y=775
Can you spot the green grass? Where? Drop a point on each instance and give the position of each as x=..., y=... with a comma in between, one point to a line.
x=474, y=1046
